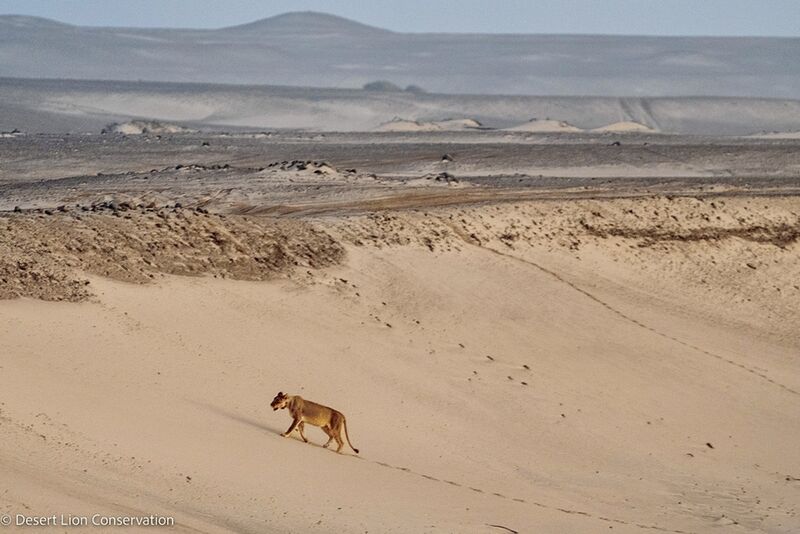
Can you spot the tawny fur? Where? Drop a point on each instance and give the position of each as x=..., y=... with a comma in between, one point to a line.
x=302, y=411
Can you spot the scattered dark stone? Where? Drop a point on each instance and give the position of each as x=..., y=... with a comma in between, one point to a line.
x=751, y=265
x=709, y=445
x=447, y=157
x=17, y=209
x=48, y=212
x=205, y=143
x=616, y=143
x=446, y=177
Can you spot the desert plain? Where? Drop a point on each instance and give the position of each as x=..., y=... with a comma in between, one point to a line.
x=527, y=331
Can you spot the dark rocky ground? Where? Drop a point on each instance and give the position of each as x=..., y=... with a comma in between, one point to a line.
x=311, y=173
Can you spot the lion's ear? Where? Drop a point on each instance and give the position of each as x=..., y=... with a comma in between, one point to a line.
x=280, y=393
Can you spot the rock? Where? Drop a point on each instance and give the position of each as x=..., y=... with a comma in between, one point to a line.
x=446, y=177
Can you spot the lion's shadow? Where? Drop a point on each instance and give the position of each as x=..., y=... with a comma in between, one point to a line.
x=240, y=418
x=251, y=422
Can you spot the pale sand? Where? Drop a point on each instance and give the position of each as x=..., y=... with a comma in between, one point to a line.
x=640, y=358
x=624, y=127
x=450, y=125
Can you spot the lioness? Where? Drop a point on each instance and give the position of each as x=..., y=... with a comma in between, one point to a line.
x=303, y=411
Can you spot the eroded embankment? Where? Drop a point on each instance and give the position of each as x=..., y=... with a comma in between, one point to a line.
x=740, y=252
x=44, y=256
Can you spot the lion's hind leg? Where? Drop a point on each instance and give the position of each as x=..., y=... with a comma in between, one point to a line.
x=337, y=422
x=327, y=429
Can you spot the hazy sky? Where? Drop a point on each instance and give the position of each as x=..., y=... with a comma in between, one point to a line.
x=649, y=17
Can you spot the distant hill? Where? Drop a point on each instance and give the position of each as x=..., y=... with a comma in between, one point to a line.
x=319, y=50
x=309, y=22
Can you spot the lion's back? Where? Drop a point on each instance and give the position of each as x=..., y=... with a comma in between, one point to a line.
x=317, y=414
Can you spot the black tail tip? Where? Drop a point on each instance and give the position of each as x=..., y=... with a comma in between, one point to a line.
x=356, y=450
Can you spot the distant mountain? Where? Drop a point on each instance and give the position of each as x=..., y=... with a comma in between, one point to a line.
x=320, y=50
x=28, y=22
x=308, y=22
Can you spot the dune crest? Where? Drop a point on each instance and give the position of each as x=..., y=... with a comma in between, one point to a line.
x=624, y=127
x=403, y=125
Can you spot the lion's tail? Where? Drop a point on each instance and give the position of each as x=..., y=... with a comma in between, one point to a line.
x=344, y=423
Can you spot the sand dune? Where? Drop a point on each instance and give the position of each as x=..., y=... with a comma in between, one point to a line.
x=624, y=127
x=144, y=127
x=543, y=366
x=401, y=125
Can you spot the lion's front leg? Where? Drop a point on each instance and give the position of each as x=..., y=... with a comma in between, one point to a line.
x=291, y=427
x=300, y=429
